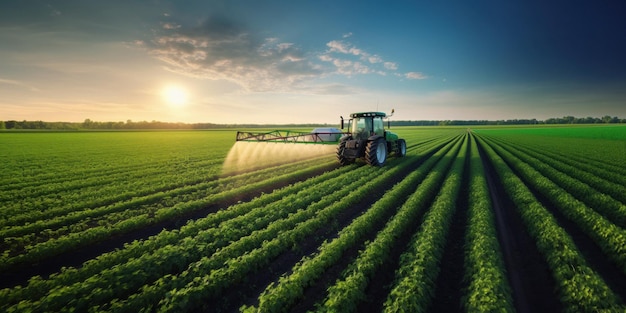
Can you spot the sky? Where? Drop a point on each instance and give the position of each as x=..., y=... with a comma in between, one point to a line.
x=236, y=61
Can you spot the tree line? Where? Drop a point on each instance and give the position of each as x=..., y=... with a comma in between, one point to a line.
x=130, y=125
x=557, y=120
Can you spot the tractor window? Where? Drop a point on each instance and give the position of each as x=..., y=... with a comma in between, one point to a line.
x=379, y=128
x=360, y=129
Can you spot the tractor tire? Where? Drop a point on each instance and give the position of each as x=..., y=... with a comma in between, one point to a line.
x=376, y=152
x=340, y=157
x=400, y=148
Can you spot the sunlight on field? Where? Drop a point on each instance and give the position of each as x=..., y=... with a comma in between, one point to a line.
x=247, y=156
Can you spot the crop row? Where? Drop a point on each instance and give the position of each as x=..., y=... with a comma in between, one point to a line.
x=158, y=194
x=419, y=264
x=599, y=157
x=580, y=288
x=213, y=275
x=488, y=289
x=607, y=196
x=151, y=265
x=137, y=220
x=282, y=295
x=610, y=237
x=88, y=190
x=170, y=262
x=155, y=249
x=256, y=223
x=346, y=293
x=69, y=166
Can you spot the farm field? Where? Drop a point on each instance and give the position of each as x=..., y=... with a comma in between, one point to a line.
x=526, y=219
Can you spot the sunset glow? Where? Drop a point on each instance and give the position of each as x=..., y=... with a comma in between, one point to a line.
x=271, y=61
x=175, y=96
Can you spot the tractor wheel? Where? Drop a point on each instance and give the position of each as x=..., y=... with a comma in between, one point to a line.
x=376, y=152
x=400, y=148
x=342, y=159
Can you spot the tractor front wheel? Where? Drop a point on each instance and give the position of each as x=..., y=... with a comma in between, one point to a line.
x=376, y=152
x=340, y=157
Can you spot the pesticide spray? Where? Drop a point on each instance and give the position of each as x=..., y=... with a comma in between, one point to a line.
x=250, y=156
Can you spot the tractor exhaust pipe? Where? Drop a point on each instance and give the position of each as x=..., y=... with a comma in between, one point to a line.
x=341, y=121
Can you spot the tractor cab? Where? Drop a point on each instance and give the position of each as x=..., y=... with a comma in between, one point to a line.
x=367, y=138
x=364, y=125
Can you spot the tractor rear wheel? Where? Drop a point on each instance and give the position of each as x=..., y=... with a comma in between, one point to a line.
x=400, y=148
x=340, y=157
x=376, y=152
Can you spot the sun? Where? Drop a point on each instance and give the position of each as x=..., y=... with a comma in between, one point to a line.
x=175, y=95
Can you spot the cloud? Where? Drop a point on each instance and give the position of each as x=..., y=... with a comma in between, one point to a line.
x=330, y=89
x=415, y=75
x=338, y=46
x=18, y=84
x=219, y=48
x=391, y=66
x=350, y=61
x=170, y=26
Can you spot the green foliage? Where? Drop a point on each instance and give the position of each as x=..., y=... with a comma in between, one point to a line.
x=419, y=265
x=488, y=289
x=62, y=191
x=347, y=292
x=279, y=297
x=580, y=288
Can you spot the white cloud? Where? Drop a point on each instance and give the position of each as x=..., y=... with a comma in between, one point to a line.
x=415, y=75
x=374, y=59
x=220, y=49
x=170, y=26
x=338, y=46
x=341, y=54
x=391, y=66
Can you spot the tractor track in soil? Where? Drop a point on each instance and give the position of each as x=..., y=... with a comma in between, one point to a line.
x=246, y=293
x=532, y=285
x=21, y=273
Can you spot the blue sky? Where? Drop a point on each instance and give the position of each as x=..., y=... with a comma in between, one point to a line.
x=310, y=62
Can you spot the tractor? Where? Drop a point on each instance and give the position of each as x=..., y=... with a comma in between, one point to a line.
x=368, y=139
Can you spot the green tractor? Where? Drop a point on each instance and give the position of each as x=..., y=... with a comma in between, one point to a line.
x=367, y=138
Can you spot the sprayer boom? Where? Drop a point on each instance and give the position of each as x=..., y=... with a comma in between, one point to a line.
x=325, y=137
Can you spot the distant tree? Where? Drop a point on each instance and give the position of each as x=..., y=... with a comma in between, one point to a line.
x=3, y=125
